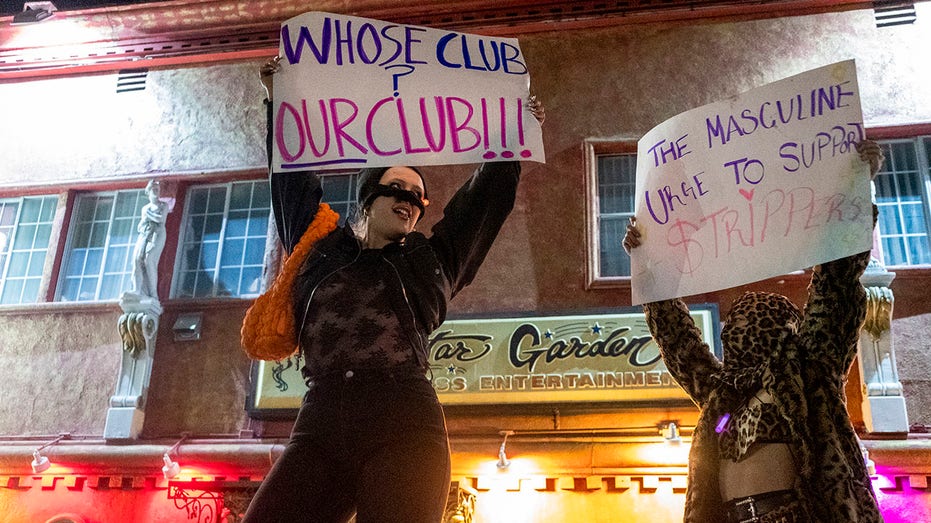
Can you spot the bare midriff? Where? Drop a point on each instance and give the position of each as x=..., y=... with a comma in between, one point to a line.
x=765, y=468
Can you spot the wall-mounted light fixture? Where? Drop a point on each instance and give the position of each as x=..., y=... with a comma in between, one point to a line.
x=34, y=12
x=41, y=463
x=172, y=468
x=670, y=432
x=503, y=461
x=188, y=325
x=867, y=462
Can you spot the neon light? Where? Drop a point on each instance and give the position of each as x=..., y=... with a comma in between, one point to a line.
x=722, y=422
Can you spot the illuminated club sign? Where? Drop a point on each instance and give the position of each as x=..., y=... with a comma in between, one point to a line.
x=577, y=358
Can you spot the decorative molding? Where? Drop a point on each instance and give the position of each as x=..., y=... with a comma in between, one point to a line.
x=638, y=483
x=210, y=501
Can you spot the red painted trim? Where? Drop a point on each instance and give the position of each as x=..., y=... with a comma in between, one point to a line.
x=129, y=182
x=65, y=69
x=60, y=243
x=899, y=131
x=173, y=228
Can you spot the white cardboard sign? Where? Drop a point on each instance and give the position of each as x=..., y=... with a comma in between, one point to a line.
x=759, y=185
x=356, y=92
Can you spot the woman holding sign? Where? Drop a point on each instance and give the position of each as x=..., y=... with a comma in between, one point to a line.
x=359, y=303
x=774, y=443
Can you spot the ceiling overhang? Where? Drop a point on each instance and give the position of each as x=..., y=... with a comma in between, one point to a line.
x=186, y=31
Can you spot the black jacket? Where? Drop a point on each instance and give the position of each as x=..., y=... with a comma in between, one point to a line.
x=431, y=270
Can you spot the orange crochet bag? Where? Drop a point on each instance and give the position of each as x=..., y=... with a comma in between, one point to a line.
x=268, y=330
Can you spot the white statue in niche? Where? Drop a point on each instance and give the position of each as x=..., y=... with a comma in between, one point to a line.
x=149, y=243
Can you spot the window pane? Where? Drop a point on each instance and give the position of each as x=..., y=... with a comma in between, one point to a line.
x=616, y=186
x=197, y=227
x=70, y=290
x=110, y=287
x=26, y=235
x=25, y=228
x=30, y=292
x=261, y=197
x=76, y=262
x=97, y=264
x=258, y=225
x=255, y=251
x=43, y=233
x=212, y=228
x=98, y=236
x=8, y=210
x=914, y=218
x=236, y=224
x=336, y=187
x=209, y=255
x=123, y=230
x=103, y=210
x=93, y=262
x=902, y=197
x=220, y=238
x=616, y=183
x=88, y=289
x=116, y=261
x=126, y=204
x=31, y=208
x=232, y=253
x=48, y=209
x=339, y=191
x=18, y=263
x=614, y=261
x=12, y=292
x=904, y=157
x=240, y=196
x=198, y=203
x=36, y=262
x=918, y=250
x=216, y=200
x=251, y=280
x=229, y=282
x=186, y=286
x=203, y=287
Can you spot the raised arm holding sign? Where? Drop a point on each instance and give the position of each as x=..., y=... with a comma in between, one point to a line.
x=355, y=305
x=773, y=440
x=359, y=92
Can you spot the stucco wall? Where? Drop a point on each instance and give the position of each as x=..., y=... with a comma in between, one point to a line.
x=58, y=371
x=610, y=82
x=186, y=120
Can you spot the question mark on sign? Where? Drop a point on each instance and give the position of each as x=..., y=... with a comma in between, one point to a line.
x=395, y=76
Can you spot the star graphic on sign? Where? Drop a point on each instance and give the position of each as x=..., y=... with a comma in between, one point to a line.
x=451, y=369
x=596, y=329
x=548, y=334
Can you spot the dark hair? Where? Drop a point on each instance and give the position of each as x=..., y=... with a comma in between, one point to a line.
x=369, y=178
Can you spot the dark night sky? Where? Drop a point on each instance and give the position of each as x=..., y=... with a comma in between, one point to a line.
x=9, y=7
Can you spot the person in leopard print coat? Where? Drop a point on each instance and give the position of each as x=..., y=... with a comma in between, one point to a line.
x=773, y=431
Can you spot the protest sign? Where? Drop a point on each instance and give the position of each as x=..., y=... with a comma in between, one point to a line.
x=759, y=185
x=355, y=92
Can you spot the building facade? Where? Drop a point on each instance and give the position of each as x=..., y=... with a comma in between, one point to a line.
x=112, y=389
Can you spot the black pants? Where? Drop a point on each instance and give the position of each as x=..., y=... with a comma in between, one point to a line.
x=372, y=444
